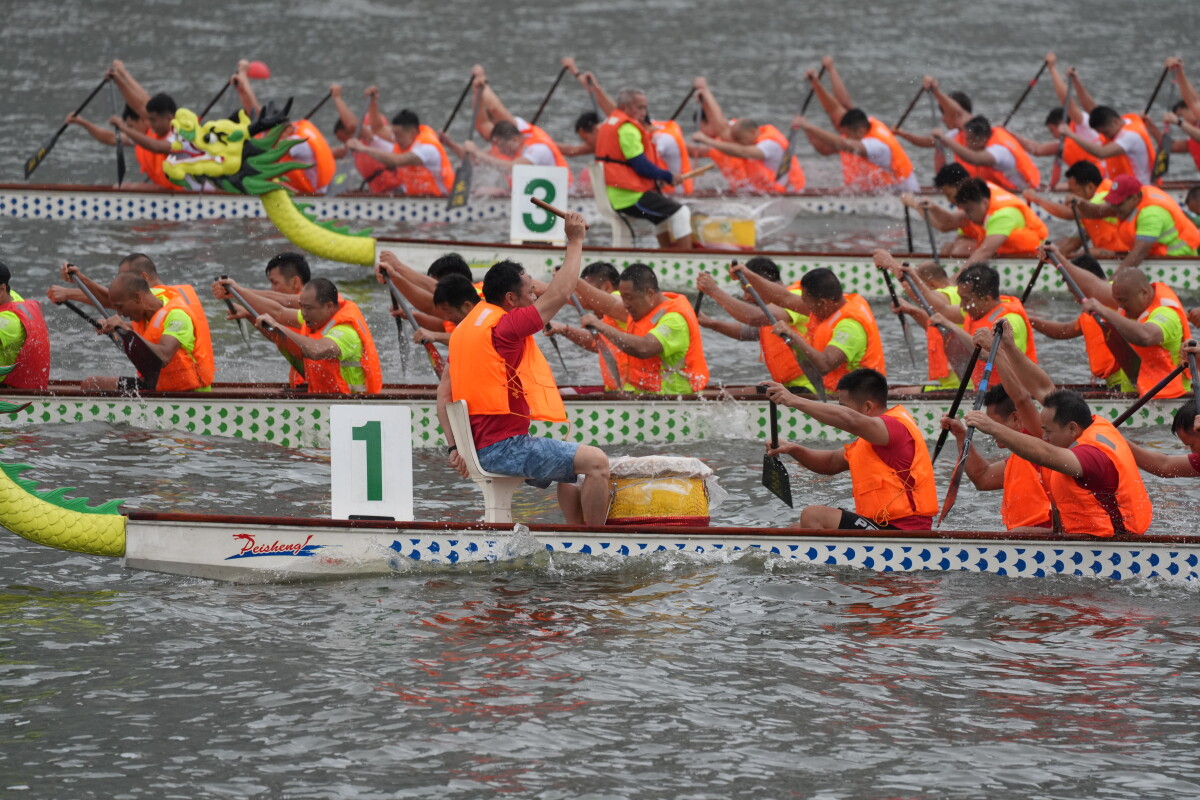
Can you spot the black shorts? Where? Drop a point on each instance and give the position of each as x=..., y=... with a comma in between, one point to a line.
x=133, y=386
x=853, y=522
x=651, y=206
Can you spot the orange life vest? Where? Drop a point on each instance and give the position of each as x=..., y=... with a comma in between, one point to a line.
x=778, y=355
x=647, y=373
x=479, y=375
x=617, y=172
x=535, y=135
x=1007, y=305
x=416, y=179
x=1021, y=240
x=671, y=128
x=1121, y=165
x=181, y=373
x=203, y=352
x=882, y=494
x=152, y=163
x=1078, y=510
x=855, y=308
x=1101, y=361
x=935, y=345
x=1072, y=153
x=325, y=375
x=1189, y=234
x=860, y=174
x=323, y=161
x=1025, y=503
x=1105, y=233
x=1025, y=166
x=753, y=174
x=1156, y=361
x=32, y=368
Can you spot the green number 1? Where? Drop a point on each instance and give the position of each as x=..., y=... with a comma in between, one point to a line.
x=548, y=195
x=371, y=434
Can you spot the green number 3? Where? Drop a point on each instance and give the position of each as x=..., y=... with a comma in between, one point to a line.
x=548, y=196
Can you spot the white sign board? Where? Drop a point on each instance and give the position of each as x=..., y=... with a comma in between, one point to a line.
x=371, y=461
x=530, y=223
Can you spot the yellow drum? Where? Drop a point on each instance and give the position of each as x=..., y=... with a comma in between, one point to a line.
x=657, y=496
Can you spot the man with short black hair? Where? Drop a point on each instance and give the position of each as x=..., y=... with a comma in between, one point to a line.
x=890, y=470
x=498, y=369
x=417, y=161
x=1086, y=183
x=1127, y=147
x=992, y=154
x=1004, y=224
x=24, y=340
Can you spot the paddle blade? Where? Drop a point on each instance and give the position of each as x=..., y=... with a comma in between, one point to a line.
x=460, y=193
x=952, y=490
x=35, y=160
x=775, y=477
x=435, y=359
x=1162, y=161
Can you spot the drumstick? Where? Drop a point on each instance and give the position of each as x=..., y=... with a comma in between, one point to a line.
x=558, y=212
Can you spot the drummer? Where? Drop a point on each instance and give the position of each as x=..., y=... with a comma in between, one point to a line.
x=890, y=470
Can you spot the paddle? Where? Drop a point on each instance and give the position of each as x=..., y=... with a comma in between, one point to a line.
x=932, y=241
x=91, y=321
x=35, y=160
x=1162, y=160
x=135, y=348
x=404, y=340
x=1083, y=237
x=774, y=475
x=229, y=305
x=294, y=360
x=933, y=114
x=1062, y=145
x=112, y=87
x=785, y=163
x=908, y=228
x=1195, y=372
x=810, y=372
x=319, y=105
x=1032, y=280
x=558, y=350
x=1025, y=94
x=891, y=287
x=1151, y=392
x=610, y=361
x=956, y=478
x=435, y=358
x=913, y=104
x=1154, y=95
x=1120, y=349
x=216, y=99
x=549, y=94
x=256, y=69
x=460, y=192
x=695, y=173
x=462, y=97
x=683, y=105
x=964, y=381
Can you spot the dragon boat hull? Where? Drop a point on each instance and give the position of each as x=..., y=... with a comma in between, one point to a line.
x=290, y=419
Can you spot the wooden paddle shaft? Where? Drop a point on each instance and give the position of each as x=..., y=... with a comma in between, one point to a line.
x=1150, y=393
x=1029, y=89
x=698, y=171
x=558, y=212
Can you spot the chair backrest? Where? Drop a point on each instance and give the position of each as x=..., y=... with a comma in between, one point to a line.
x=460, y=426
x=621, y=236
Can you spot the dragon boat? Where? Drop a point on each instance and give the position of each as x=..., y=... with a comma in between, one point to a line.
x=273, y=415
x=275, y=549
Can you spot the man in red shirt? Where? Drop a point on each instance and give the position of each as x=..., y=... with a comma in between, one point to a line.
x=496, y=366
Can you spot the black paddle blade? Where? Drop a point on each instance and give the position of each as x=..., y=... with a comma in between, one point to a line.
x=460, y=193
x=144, y=360
x=38, y=157
x=775, y=477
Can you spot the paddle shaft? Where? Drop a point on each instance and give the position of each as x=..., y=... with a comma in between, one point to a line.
x=461, y=98
x=1083, y=237
x=912, y=104
x=402, y=339
x=1154, y=95
x=215, y=100
x=1066, y=120
x=810, y=371
x=319, y=105
x=774, y=424
x=1162, y=160
x=908, y=227
x=932, y=241
x=933, y=120
x=785, y=163
x=95, y=324
x=1032, y=280
x=37, y=158
x=232, y=310
x=811, y=90
x=1025, y=93
x=549, y=94
x=120, y=143
x=1195, y=372
x=1120, y=349
x=238, y=296
x=891, y=287
x=1151, y=392
x=683, y=105
x=958, y=396
x=460, y=192
x=435, y=358
x=606, y=355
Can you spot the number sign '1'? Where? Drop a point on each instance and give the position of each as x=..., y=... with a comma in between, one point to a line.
x=371, y=461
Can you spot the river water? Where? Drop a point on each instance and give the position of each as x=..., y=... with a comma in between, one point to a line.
x=673, y=678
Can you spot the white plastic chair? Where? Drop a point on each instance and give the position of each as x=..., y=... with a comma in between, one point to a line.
x=621, y=234
x=497, y=489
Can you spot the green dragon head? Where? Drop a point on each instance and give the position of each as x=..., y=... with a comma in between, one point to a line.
x=230, y=156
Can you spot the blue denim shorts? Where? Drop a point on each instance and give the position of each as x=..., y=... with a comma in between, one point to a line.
x=541, y=461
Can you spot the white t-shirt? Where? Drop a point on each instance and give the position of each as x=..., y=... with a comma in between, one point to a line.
x=1006, y=164
x=879, y=154
x=772, y=153
x=668, y=150
x=1135, y=150
x=1084, y=129
x=538, y=154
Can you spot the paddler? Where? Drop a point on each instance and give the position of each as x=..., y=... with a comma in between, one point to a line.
x=24, y=340
x=748, y=154
x=992, y=154
x=873, y=161
x=663, y=351
x=154, y=137
x=326, y=333
x=1004, y=223
x=163, y=322
x=377, y=178
x=1025, y=506
x=1085, y=183
x=632, y=175
x=955, y=108
x=890, y=471
x=497, y=368
x=453, y=298
x=932, y=277
x=1088, y=471
x=1186, y=426
x=415, y=157
x=841, y=333
x=1077, y=120
x=1127, y=146
x=749, y=324
x=602, y=276
x=948, y=179
x=980, y=306
x=1185, y=113
x=421, y=291
x=1151, y=223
